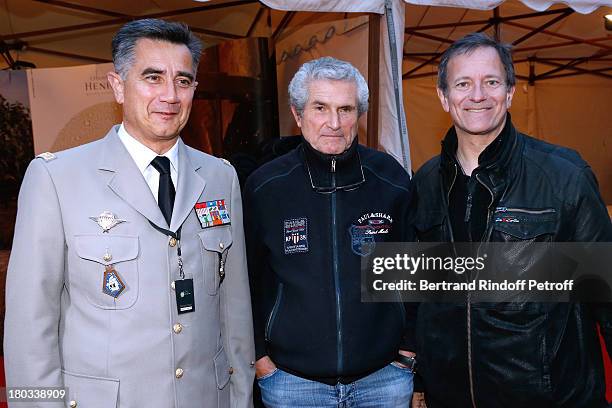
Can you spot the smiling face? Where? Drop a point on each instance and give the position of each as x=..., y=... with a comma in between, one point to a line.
x=329, y=120
x=157, y=92
x=478, y=97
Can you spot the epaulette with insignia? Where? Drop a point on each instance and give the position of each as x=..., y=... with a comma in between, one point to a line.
x=226, y=162
x=47, y=156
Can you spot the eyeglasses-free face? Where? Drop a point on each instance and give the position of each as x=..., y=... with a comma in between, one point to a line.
x=329, y=120
x=157, y=92
x=478, y=96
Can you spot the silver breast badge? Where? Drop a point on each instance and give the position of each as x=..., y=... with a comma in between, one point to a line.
x=107, y=220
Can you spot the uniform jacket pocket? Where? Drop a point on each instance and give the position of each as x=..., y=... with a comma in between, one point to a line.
x=524, y=224
x=222, y=368
x=215, y=243
x=528, y=234
x=96, y=252
x=89, y=391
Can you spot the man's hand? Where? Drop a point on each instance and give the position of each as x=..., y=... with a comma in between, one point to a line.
x=418, y=400
x=264, y=366
x=407, y=354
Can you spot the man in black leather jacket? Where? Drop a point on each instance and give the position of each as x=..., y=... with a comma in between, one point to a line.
x=311, y=215
x=493, y=184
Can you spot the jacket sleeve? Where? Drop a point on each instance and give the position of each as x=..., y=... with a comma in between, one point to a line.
x=236, y=320
x=34, y=285
x=592, y=224
x=258, y=269
x=408, y=341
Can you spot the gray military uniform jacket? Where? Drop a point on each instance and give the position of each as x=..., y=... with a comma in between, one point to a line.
x=135, y=350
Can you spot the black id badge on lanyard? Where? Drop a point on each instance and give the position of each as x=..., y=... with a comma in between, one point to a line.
x=185, y=300
x=183, y=288
x=184, y=295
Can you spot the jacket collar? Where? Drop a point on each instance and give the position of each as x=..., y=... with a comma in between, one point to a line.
x=124, y=178
x=328, y=172
x=496, y=164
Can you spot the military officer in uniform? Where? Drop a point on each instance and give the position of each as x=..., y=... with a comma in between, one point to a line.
x=127, y=282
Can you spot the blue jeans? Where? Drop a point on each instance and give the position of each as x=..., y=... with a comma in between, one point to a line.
x=388, y=387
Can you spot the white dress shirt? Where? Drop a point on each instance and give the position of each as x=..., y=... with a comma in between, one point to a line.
x=143, y=156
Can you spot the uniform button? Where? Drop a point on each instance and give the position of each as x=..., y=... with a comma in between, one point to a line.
x=107, y=257
x=172, y=285
x=73, y=404
x=252, y=364
x=177, y=328
x=179, y=372
x=172, y=242
x=221, y=245
x=231, y=370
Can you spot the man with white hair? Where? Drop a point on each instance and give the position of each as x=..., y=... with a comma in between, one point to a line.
x=310, y=217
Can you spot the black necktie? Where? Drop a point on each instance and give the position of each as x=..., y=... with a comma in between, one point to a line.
x=166, y=192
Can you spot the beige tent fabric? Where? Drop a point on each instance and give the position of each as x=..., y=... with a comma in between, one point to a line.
x=581, y=6
x=391, y=139
x=377, y=6
x=576, y=113
x=339, y=38
x=359, y=6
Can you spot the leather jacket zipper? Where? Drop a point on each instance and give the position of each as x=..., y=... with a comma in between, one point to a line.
x=469, y=348
x=450, y=229
x=279, y=295
x=471, y=186
x=340, y=362
x=469, y=304
x=525, y=211
x=488, y=228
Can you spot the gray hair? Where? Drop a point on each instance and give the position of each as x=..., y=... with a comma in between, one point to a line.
x=326, y=68
x=469, y=44
x=124, y=42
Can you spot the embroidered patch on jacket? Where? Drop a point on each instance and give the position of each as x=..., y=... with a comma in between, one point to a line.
x=296, y=235
x=212, y=213
x=112, y=284
x=507, y=219
x=365, y=231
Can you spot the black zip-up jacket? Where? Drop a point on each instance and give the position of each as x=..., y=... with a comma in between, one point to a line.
x=514, y=354
x=309, y=219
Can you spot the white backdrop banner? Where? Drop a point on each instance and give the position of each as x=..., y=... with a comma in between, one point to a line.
x=70, y=106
